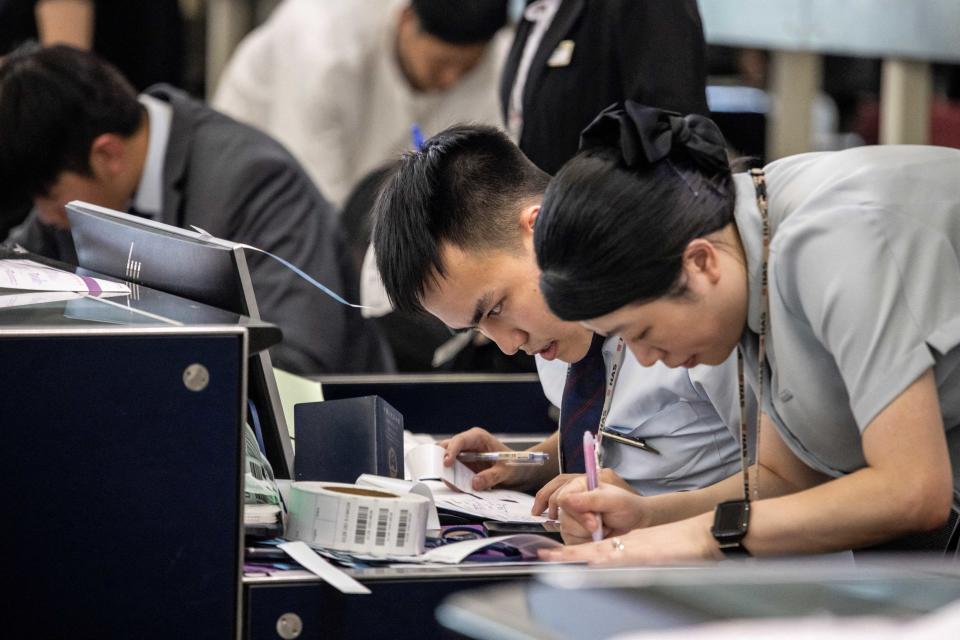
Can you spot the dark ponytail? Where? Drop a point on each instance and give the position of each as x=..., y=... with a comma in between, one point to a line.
x=617, y=217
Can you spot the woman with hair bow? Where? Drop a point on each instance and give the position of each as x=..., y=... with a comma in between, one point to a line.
x=836, y=277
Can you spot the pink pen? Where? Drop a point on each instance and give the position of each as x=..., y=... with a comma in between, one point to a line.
x=593, y=475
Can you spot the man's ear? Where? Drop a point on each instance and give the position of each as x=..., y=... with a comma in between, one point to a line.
x=109, y=155
x=409, y=19
x=528, y=218
x=700, y=259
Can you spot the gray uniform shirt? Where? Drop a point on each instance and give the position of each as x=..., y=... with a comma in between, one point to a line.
x=864, y=290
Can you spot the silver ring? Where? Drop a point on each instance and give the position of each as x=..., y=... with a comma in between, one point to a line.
x=617, y=544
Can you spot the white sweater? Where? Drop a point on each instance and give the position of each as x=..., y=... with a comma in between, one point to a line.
x=322, y=77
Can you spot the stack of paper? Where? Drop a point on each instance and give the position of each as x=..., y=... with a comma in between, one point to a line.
x=261, y=514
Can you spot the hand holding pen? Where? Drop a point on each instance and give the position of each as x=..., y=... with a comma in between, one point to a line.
x=494, y=463
x=593, y=476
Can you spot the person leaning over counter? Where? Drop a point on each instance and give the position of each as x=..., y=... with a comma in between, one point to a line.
x=74, y=129
x=853, y=347
x=341, y=83
x=453, y=235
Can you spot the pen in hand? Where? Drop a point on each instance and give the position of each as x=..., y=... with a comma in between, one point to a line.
x=416, y=136
x=508, y=457
x=593, y=476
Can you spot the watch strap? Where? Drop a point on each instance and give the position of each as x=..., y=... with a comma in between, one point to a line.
x=735, y=550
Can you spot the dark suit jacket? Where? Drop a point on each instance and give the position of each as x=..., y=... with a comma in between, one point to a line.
x=239, y=184
x=649, y=50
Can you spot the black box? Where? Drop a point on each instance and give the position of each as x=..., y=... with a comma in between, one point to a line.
x=444, y=404
x=338, y=440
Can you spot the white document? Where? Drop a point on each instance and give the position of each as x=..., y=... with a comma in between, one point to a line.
x=27, y=275
x=502, y=505
x=456, y=552
x=302, y=553
x=425, y=462
x=412, y=441
x=450, y=489
x=25, y=298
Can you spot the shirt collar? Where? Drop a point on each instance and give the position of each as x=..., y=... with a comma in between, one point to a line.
x=149, y=196
x=541, y=10
x=750, y=227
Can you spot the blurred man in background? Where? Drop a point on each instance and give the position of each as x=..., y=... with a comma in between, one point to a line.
x=74, y=129
x=340, y=83
x=573, y=58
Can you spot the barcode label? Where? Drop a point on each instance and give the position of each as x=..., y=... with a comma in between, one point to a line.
x=363, y=520
x=382, y=519
x=402, y=527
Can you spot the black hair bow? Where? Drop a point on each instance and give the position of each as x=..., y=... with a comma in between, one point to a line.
x=645, y=135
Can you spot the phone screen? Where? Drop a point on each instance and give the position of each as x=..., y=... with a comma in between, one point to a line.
x=550, y=529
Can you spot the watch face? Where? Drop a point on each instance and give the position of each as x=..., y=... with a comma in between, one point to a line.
x=731, y=518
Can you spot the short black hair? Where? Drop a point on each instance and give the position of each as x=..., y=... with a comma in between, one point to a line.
x=461, y=21
x=608, y=235
x=54, y=102
x=465, y=186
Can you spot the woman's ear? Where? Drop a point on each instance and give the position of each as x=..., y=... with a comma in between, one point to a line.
x=701, y=260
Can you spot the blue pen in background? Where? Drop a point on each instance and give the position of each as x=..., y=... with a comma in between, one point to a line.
x=417, y=136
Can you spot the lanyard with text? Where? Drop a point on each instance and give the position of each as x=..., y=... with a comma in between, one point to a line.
x=760, y=186
x=602, y=432
x=617, y=364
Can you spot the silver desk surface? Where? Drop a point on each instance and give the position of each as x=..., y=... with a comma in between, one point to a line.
x=576, y=603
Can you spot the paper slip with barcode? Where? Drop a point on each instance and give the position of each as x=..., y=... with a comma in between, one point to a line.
x=396, y=485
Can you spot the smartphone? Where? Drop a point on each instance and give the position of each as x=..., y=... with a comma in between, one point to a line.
x=549, y=529
x=265, y=553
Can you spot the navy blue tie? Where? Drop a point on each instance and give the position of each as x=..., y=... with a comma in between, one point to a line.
x=581, y=404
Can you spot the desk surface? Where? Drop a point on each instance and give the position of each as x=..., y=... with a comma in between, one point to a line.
x=592, y=603
x=400, y=605
x=415, y=572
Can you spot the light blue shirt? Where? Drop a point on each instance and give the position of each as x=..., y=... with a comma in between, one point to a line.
x=673, y=411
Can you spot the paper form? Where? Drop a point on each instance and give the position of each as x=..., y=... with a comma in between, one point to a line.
x=27, y=275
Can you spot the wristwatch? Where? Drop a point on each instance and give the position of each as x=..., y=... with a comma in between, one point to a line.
x=730, y=522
